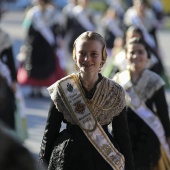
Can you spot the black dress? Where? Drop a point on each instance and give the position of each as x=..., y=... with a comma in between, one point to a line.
x=145, y=144
x=6, y=54
x=70, y=149
x=7, y=104
x=7, y=96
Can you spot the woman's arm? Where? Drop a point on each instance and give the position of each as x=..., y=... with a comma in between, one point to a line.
x=8, y=53
x=121, y=135
x=162, y=110
x=52, y=129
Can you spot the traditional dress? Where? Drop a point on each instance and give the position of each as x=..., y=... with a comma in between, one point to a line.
x=148, y=120
x=39, y=65
x=7, y=76
x=7, y=98
x=111, y=28
x=74, y=147
x=147, y=23
x=6, y=54
x=80, y=20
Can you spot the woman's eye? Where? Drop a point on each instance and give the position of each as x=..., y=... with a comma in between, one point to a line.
x=131, y=52
x=140, y=52
x=94, y=54
x=82, y=53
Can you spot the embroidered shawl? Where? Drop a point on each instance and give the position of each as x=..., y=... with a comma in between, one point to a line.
x=108, y=101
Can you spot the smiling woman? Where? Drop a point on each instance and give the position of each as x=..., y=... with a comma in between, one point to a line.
x=87, y=102
x=89, y=56
x=147, y=113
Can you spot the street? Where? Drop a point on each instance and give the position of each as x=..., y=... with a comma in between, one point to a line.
x=37, y=109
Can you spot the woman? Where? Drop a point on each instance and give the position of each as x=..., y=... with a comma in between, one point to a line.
x=111, y=27
x=40, y=66
x=119, y=61
x=87, y=102
x=7, y=98
x=147, y=113
x=8, y=81
x=7, y=57
x=82, y=19
x=142, y=16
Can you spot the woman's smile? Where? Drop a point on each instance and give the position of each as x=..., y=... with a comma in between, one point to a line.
x=89, y=56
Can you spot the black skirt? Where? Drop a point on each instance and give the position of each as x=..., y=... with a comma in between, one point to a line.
x=72, y=150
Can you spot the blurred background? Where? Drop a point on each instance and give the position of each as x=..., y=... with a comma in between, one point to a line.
x=36, y=109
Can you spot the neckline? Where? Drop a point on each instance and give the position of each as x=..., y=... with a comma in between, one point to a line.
x=89, y=94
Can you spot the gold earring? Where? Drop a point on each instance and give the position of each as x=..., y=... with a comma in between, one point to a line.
x=100, y=68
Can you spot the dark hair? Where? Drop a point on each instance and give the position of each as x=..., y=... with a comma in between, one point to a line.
x=135, y=29
x=136, y=40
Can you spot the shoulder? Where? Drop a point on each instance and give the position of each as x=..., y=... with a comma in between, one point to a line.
x=153, y=77
x=54, y=88
x=113, y=85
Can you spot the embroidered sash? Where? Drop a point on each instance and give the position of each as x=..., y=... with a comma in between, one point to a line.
x=76, y=102
x=139, y=107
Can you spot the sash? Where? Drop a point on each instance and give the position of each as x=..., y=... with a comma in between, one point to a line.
x=81, y=16
x=77, y=104
x=139, y=107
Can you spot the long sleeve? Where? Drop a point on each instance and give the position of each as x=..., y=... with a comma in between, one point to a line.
x=162, y=110
x=9, y=61
x=121, y=135
x=52, y=129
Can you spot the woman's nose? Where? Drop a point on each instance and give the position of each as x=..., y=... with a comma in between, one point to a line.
x=135, y=55
x=86, y=57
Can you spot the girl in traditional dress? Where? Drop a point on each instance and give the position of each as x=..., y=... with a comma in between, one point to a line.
x=147, y=113
x=8, y=81
x=87, y=102
x=118, y=61
x=111, y=28
x=39, y=66
x=7, y=98
x=142, y=16
x=82, y=19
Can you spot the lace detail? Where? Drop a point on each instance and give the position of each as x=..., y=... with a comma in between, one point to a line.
x=148, y=84
x=145, y=87
x=107, y=102
x=57, y=157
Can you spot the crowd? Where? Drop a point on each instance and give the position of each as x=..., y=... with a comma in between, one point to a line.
x=114, y=107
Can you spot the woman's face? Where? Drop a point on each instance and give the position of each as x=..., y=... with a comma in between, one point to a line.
x=137, y=56
x=89, y=56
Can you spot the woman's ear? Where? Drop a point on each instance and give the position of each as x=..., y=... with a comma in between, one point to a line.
x=102, y=63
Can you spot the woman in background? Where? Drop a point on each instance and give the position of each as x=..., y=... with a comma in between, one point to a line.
x=147, y=113
x=40, y=66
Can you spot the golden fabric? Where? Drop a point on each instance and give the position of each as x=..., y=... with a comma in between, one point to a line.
x=164, y=163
